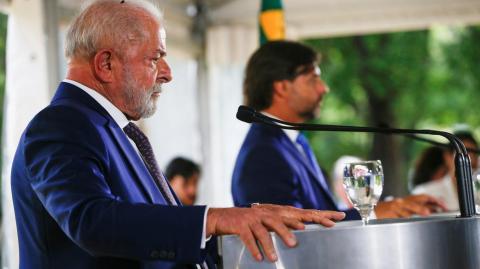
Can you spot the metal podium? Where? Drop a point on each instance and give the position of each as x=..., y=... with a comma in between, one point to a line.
x=437, y=242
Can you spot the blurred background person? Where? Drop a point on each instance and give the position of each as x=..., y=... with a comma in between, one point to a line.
x=445, y=188
x=183, y=175
x=429, y=166
x=471, y=143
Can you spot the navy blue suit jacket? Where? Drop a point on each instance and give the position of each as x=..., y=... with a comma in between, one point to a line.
x=83, y=197
x=270, y=169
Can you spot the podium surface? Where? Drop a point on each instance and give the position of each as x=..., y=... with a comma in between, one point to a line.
x=437, y=242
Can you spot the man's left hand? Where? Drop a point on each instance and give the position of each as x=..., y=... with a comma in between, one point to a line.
x=422, y=205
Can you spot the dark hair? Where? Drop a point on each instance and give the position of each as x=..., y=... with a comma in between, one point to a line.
x=429, y=162
x=181, y=166
x=274, y=61
x=466, y=135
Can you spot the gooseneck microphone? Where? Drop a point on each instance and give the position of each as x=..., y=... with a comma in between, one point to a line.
x=433, y=142
x=463, y=170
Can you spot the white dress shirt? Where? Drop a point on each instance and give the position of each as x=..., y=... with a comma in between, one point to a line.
x=292, y=134
x=442, y=189
x=122, y=121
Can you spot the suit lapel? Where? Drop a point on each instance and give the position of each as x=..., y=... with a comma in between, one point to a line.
x=137, y=165
x=76, y=97
x=290, y=146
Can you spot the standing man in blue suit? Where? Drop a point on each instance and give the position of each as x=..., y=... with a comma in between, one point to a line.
x=278, y=166
x=86, y=187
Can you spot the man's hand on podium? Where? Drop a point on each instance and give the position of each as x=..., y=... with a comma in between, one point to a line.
x=422, y=205
x=252, y=224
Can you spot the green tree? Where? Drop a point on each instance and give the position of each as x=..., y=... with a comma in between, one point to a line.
x=369, y=75
x=421, y=79
x=457, y=76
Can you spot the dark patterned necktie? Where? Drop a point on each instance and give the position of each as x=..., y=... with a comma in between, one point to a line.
x=145, y=148
x=146, y=151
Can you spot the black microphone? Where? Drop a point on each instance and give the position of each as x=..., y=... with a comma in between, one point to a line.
x=246, y=114
x=431, y=141
x=463, y=170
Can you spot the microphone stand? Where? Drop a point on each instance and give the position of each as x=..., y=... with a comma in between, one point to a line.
x=463, y=170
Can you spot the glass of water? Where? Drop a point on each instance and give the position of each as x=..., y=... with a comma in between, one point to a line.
x=363, y=182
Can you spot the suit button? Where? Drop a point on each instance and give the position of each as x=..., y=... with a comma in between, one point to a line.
x=171, y=255
x=156, y=254
x=163, y=254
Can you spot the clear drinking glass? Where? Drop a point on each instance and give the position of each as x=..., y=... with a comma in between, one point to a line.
x=363, y=182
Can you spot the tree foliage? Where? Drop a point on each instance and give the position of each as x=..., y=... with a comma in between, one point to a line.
x=420, y=79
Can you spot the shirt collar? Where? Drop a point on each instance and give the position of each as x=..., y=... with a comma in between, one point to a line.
x=292, y=134
x=114, y=112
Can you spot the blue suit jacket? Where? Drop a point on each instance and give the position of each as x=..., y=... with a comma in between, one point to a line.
x=83, y=197
x=270, y=169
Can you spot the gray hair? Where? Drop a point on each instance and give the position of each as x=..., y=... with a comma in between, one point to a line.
x=108, y=23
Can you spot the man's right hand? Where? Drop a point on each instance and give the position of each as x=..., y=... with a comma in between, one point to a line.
x=252, y=224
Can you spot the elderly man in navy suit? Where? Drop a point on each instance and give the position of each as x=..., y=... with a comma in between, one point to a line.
x=87, y=190
x=278, y=166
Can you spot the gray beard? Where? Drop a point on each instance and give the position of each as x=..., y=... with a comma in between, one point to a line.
x=141, y=102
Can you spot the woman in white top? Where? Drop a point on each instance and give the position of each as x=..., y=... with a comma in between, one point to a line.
x=444, y=187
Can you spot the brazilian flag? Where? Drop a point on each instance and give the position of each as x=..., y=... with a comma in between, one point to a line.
x=271, y=21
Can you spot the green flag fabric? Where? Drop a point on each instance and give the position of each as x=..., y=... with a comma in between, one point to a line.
x=271, y=21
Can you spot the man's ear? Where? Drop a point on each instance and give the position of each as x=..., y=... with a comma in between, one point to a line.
x=280, y=88
x=103, y=65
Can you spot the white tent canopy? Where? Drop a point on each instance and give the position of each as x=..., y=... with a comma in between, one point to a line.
x=196, y=116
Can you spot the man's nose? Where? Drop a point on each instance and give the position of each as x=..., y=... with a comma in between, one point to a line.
x=322, y=87
x=164, y=72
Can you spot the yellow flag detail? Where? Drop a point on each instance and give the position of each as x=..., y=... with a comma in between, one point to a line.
x=272, y=23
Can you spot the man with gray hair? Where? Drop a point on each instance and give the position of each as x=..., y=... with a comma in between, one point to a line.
x=86, y=188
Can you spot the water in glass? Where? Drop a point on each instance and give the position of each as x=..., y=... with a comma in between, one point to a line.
x=363, y=182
